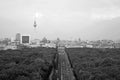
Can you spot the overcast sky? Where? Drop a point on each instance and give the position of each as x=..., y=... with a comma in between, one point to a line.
x=66, y=19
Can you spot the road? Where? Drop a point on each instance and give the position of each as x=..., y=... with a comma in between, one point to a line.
x=64, y=68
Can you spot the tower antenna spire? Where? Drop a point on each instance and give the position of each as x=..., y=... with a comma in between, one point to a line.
x=35, y=18
x=35, y=24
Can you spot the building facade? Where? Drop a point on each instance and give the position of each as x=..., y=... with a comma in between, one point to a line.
x=25, y=39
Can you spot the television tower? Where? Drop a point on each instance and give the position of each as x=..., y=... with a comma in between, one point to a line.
x=35, y=24
x=35, y=18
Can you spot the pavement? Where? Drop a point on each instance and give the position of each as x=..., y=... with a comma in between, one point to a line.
x=64, y=68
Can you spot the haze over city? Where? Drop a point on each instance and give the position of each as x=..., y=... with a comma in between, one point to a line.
x=67, y=19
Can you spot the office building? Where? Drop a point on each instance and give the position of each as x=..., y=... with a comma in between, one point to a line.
x=18, y=38
x=25, y=39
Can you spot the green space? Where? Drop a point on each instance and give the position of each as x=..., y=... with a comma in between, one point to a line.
x=95, y=64
x=26, y=64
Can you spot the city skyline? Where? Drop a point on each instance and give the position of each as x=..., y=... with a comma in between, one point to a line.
x=66, y=19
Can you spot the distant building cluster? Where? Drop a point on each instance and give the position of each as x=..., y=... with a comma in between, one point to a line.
x=93, y=44
x=22, y=41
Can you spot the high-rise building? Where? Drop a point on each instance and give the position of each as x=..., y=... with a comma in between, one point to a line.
x=18, y=37
x=26, y=39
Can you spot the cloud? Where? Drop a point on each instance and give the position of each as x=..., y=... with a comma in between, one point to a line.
x=63, y=16
x=105, y=13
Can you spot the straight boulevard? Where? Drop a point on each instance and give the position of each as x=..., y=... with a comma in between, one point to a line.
x=64, y=68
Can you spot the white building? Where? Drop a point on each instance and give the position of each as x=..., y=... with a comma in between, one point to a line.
x=51, y=45
x=89, y=46
x=12, y=47
x=34, y=45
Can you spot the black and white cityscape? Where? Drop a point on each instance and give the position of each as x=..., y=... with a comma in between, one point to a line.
x=59, y=40
x=25, y=40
